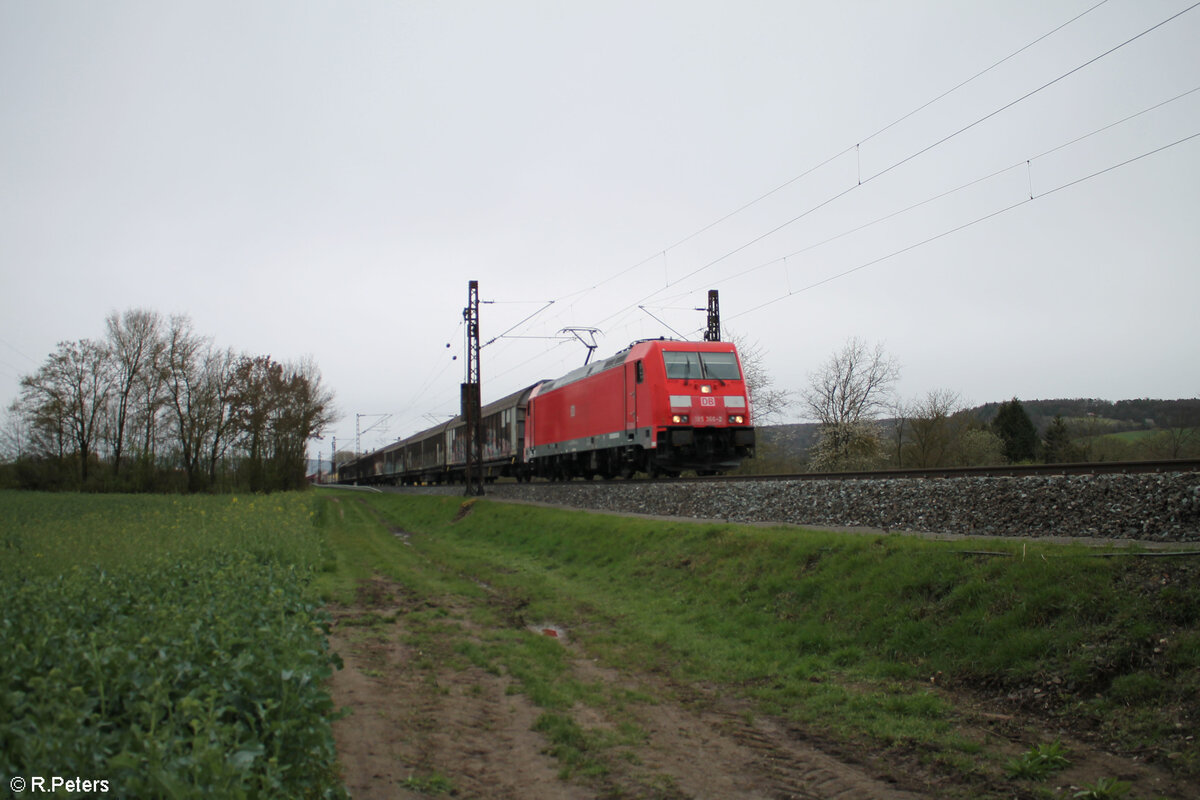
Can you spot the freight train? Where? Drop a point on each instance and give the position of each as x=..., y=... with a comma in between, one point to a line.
x=658, y=407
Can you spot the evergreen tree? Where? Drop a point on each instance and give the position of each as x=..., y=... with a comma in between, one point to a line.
x=1016, y=430
x=1057, y=447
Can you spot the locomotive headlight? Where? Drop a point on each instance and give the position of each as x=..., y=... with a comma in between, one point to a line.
x=680, y=419
x=705, y=390
x=736, y=419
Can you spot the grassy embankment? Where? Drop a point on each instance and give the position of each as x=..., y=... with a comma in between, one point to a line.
x=171, y=646
x=842, y=633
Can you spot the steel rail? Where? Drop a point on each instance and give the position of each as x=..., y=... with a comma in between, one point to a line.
x=1006, y=471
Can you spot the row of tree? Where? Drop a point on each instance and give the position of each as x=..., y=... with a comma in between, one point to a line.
x=862, y=424
x=155, y=406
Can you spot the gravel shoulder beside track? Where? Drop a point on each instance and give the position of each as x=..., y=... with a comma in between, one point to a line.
x=1144, y=508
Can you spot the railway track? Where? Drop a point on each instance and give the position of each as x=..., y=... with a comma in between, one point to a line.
x=1009, y=471
x=1012, y=470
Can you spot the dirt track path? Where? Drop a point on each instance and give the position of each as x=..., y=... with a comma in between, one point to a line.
x=426, y=721
x=421, y=726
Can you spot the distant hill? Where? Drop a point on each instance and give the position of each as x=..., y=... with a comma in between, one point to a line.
x=792, y=442
x=1128, y=415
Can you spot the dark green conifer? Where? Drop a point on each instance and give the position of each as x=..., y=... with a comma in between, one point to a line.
x=1016, y=430
x=1057, y=447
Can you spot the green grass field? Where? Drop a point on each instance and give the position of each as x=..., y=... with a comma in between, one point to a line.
x=1154, y=443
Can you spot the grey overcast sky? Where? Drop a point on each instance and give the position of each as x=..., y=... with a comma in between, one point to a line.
x=324, y=178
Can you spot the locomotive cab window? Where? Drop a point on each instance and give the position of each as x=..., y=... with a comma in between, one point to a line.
x=682, y=365
x=720, y=366
x=697, y=366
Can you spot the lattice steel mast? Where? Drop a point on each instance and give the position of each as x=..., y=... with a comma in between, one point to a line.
x=471, y=407
x=713, y=333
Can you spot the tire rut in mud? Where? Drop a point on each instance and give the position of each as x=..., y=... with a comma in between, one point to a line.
x=418, y=726
x=422, y=723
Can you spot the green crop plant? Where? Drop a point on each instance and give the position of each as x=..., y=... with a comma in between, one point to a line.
x=1104, y=789
x=1039, y=762
x=168, y=645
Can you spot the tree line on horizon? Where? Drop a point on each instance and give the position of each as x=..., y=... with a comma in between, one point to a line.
x=861, y=424
x=155, y=406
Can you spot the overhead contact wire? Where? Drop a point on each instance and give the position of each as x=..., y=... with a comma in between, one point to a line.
x=918, y=153
x=981, y=73
x=1025, y=162
x=966, y=225
x=1026, y=96
x=827, y=161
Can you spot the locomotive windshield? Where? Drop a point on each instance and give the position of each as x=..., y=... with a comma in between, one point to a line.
x=720, y=366
x=682, y=365
x=697, y=366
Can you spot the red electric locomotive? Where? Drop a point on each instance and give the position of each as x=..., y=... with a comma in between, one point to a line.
x=659, y=407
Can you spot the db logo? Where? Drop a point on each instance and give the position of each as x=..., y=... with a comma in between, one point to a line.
x=708, y=401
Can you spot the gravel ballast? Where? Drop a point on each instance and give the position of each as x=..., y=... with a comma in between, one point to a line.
x=1162, y=507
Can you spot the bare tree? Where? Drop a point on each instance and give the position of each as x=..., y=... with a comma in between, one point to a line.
x=151, y=399
x=933, y=426
x=846, y=395
x=279, y=407
x=44, y=424
x=199, y=384
x=219, y=378
x=188, y=395
x=67, y=396
x=305, y=410
x=854, y=385
x=14, y=433
x=978, y=446
x=156, y=383
x=132, y=338
x=1180, y=434
x=769, y=403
